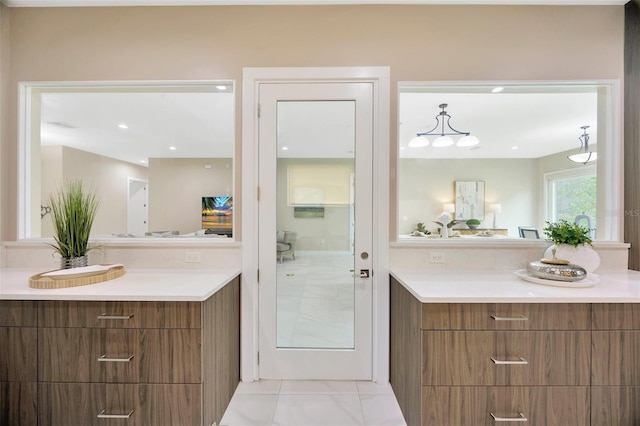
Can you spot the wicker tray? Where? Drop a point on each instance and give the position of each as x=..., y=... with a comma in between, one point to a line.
x=74, y=280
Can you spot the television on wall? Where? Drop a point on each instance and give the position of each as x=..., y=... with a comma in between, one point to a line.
x=217, y=215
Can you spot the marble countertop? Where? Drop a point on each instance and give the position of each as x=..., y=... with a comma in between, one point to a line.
x=490, y=286
x=135, y=285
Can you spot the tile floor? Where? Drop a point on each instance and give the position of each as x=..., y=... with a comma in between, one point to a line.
x=309, y=403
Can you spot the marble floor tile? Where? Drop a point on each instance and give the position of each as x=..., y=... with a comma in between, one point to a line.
x=250, y=410
x=327, y=387
x=381, y=410
x=259, y=387
x=320, y=410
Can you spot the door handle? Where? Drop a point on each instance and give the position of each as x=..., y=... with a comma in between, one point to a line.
x=364, y=273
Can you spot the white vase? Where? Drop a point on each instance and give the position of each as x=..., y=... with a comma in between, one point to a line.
x=584, y=255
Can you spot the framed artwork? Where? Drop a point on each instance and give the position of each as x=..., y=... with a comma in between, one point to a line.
x=308, y=212
x=469, y=200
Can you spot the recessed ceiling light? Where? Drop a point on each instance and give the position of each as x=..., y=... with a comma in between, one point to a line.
x=143, y=161
x=123, y=126
x=285, y=148
x=514, y=147
x=172, y=148
x=497, y=89
x=221, y=87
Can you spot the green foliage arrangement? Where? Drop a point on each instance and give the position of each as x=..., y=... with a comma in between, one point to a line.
x=472, y=222
x=421, y=228
x=72, y=210
x=565, y=232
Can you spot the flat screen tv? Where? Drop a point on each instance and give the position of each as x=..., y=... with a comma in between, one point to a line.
x=217, y=215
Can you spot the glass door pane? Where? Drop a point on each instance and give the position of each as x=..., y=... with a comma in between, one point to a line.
x=315, y=224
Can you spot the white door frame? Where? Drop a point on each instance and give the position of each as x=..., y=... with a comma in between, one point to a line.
x=380, y=77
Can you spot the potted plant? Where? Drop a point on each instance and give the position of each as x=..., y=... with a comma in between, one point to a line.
x=571, y=242
x=472, y=223
x=72, y=210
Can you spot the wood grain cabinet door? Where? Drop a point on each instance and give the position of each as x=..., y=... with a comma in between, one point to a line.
x=615, y=358
x=18, y=313
x=458, y=358
x=119, y=355
x=615, y=405
x=18, y=403
x=488, y=406
x=18, y=354
x=542, y=358
x=97, y=404
x=59, y=313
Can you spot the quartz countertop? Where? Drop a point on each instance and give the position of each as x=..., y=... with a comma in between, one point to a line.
x=134, y=285
x=502, y=286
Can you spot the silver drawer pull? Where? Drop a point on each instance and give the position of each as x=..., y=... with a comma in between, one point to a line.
x=518, y=318
x=521, y=418
x=104, y=358
x=519, y=361
x=115, y=317
x=102, y=415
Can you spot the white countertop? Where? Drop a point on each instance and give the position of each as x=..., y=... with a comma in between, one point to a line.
x=490, y=286
x=135, y=285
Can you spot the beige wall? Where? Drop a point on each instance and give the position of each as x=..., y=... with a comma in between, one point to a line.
x=176, y=188
x=426, y=184
x=330, y=233
x=417, y=42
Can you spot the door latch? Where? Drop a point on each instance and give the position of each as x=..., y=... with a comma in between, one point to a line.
x=364, y=273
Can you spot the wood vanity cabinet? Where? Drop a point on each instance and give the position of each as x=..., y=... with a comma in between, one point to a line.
x=615, y=373
x=127, y=363
x=464, y=364
x=18, y=362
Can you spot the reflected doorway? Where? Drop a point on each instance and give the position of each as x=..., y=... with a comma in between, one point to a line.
x=137, y=210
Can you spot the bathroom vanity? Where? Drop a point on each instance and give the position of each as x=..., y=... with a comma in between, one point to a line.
x=154, y=347
x=484, y=347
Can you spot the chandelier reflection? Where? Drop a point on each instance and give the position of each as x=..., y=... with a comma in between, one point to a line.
x=443, y=134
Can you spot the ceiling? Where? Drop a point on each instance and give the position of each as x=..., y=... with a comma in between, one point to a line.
x=183, y=122
x=71, y=3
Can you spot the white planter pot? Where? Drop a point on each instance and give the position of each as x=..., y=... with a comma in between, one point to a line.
x=583, y=255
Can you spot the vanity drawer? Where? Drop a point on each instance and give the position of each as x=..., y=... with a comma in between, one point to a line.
x=119, y=355
x=615, y=405
x=616, y=316
x=616, y=358
x=18, y=313
x=89, y=404
x=540, y=405
x=18, y=354
x=478, y=358
x=18, y=403
x=119, y=314
x=506, y=316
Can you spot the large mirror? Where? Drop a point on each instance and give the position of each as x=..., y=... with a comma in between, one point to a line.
x=514, y=173
x=159, y=156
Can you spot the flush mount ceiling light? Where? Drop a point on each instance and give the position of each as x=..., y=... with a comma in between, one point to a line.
x=584, y=155
x=443, y=134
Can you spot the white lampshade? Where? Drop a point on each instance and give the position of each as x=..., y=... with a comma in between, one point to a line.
x=442, y=141
x=448, y=207
x=495, y=208
x=418, y=142
x=467, y=141
x=583, y=157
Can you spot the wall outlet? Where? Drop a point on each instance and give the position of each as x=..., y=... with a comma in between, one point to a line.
x=192, y=257
x=436, y=257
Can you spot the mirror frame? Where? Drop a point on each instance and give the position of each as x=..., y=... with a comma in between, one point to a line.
x=613, y=161
x=25, y=91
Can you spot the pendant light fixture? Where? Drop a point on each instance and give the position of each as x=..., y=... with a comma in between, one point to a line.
x=584, y=155
x=443, y=135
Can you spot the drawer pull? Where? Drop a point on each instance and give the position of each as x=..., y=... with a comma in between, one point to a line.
x=519, y=361
x=520, y=418
x=104, y=358
x=115, y=317
x=518, y=318
x=102, y=415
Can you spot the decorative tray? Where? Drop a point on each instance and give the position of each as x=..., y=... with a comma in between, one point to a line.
x=589, y=281
x=63, y=278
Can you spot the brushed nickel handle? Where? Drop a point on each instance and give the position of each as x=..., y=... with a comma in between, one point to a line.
x=520, y=418
x=518, y=318
x=519, y=361
x=104, y=358
x=115, y=317
x=102, y=415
